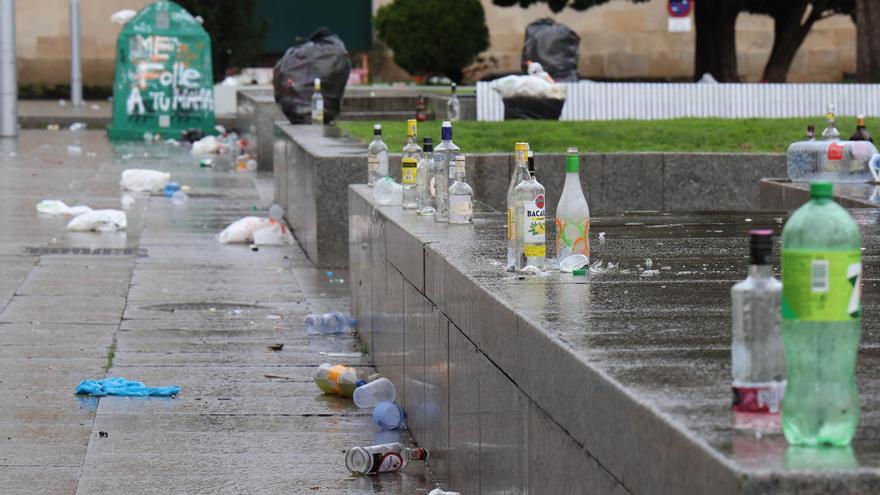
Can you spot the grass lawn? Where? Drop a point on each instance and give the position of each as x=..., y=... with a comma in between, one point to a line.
x=685, y=135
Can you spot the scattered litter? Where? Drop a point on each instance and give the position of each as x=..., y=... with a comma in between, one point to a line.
x=388, y=416
x=650, y=273
x=277, y=377
x=99, y=220
x=373, y=393
x=171, y=188
x=123, y=16
x=121, y=387
x=77, y=126
x=748, y=220
x=438, y=491
x=172, y=142
x=386, y=192
x=127, y=201
x=95, y=106
x=339, y=379
x=648, y=263
x=56, y=207
x=255, y=248
x=242, y=230
x=537, y=84
x=275, y=347
x=103, y=434
x=275, y=234
x=185, y=188
x=344, y=355
x=601, y=236
x=328, y=323
x=74, y=150
x=206, y=163
x=252, y=165
x=206, y=146
x=276, y=212
x=273, y=317
x=779, y=220
x=53, y=127
x=334, y=280
x=62, y=103
x=179, y=198
x=144, y=180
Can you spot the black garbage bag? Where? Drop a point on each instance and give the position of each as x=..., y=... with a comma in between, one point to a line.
x=532, y=108
x=554, y=46
x=324, y=56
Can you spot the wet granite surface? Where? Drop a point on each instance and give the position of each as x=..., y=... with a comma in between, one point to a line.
x=163, y=302
x=634, y=369
x=785, y=194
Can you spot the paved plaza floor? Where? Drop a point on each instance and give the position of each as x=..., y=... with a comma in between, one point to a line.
x=165, y=303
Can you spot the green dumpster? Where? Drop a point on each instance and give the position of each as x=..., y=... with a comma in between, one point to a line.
x=164, y=81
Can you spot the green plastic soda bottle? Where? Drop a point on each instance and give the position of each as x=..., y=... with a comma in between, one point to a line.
x=821, y=321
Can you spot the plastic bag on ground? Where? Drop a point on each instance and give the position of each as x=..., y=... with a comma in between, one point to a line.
x=323, y=56
x=276, y=234
x=100, y=221
x=207, y=145
x=56, y=207
x=144, y=180
x=242, y=230
x=555, y=46
x=121, y=387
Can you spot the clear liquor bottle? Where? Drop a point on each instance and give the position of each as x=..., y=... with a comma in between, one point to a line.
x=377, y=157
x=531, y=221
x=757, y=357
x=461, y=196
x=453, y=106
x=520, y=153
x=317, y=104
x=444, y=172
x=385, y=458
x=830, y=133
x=425, y=178
x=409, y=162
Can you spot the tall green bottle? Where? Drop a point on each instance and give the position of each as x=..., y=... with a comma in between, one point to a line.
x=821, y=321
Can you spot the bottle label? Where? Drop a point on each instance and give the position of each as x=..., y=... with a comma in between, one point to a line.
x=766, y=399
x=333, y=376
x=460, y=206
x=835, y=151
x=821, y=285
x=509, y=226
x=534, y=228
x=408, y=170
x=373, y=163
x=387, y=462
x=432, y=190
x=572, y=237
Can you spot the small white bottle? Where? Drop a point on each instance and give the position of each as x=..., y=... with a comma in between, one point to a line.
x=317, y=104
x=461, y=202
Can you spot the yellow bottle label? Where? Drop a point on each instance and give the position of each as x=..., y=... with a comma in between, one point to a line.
x=509, y=226
x=411, y=127
x=533, y=251
x=333, y=376
x=409, y=166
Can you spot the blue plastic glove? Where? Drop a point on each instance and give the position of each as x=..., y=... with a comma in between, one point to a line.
x=122, y=387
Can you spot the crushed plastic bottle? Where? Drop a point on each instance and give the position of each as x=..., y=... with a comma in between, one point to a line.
x=179, y=198
x=385, y=458
x=171, y=188
x=339, y=379
x=371, y=394
x=388, y=416
x=386, y=192
x=328, y=323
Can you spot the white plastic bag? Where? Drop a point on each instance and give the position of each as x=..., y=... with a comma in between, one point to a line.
x=56, y=207
x=99, y=220
x=242, y=230
x=386, y=192
x=144, y=180
x=208, y=145
x=275, y=234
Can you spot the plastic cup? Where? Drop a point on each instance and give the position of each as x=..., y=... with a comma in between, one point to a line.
x=573, y=262
x=388, y=416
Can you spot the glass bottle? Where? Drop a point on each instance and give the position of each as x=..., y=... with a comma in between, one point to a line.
x=444, y=172
x=453, y=106
x=409, y=162
x=317, y=104
x=385, y=458
x=520, y=170
x=861, y=133
x=461, y=203
x=377, y=157
x=830, y=133
x=425, y=178
x=757, y=358
x=531, y=221
x=572, y=213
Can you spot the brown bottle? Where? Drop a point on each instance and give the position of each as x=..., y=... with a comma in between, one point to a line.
x=861, y=133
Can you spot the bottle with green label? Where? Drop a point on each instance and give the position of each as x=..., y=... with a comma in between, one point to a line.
x=821, y=321
x=409, y=162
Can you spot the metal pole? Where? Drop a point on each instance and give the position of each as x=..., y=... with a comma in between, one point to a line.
x=76, y=91
x=8, y=87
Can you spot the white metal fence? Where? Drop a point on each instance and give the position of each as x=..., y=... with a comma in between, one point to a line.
x=642, y=101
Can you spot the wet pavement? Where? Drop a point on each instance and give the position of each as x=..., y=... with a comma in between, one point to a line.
x=163, y=302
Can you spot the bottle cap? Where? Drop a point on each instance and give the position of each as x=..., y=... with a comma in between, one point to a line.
x=446, y=131
x=860, y=120
x=377, y=129
x=580, y=272
x=411, y=127
x=572, y=161
x=317, y=83
x=359, y=383
x=531, y=161
x=821, y=190
x=427, y=144
x=761, y=246
x=459, y=163
x=521, y=147
x=453, y=87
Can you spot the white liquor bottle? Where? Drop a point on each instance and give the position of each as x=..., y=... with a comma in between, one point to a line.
x=520, y=152
x=317, y=104
x=425, y=179
x=453, y=106
x=461, y=196
x=572, y=213
x=377, y=157
x=409, y=163
x=531, y=222
x=444, y=171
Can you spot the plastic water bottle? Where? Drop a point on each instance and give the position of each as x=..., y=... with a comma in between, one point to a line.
x=179, y=198
x=836, y=161
x=171, y=188
x=328, y=323
x=339, y=379
x=821, y=321
x=385, y=458
x=389, y=416
x=381, y=390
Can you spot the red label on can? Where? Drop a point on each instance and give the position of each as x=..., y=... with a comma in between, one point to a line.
x=766, y=399
x=835, y=151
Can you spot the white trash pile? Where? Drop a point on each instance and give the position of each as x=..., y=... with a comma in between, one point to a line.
x=258, y=231
x=537, y=83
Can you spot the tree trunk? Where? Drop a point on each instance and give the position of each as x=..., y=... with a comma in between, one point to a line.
x=867, y=41
x=716, y=39
x=789, y=35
